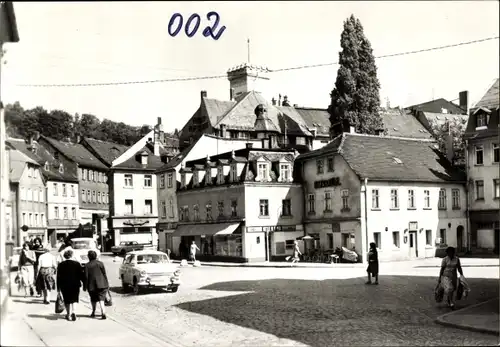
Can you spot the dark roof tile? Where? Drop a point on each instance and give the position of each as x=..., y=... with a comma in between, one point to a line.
x=77, y=153
x=106, y=151
x=134, y=162
x=491, y=98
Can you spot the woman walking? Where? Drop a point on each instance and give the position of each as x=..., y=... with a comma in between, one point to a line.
x=96, y=282
x=372, y=264
x=69, y=279
x=296, y=252
x=448, y=277
x=27, y=260
x=45, y=281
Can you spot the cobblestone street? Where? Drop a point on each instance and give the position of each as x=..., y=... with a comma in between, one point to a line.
x=274, y=307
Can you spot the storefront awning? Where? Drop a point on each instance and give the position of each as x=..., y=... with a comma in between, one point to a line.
x=206, y=229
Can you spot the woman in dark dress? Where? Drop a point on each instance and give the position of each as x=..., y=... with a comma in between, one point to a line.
x=96, y=282
x=372, y=263
x=69, y=279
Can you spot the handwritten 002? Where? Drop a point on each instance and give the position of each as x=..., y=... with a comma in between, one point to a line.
x=191, y=31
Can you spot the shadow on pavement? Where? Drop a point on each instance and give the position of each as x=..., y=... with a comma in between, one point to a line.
x=143, y=291
x=399, y=311
x=48, y=317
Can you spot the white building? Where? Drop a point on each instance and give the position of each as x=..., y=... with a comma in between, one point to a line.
x=397, y=192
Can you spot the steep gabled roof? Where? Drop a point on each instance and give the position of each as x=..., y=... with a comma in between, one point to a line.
x=18, y=162
x=316, y=118
x=403, y=124
x=216, y=108
x=134, y=162
x=105, y=151
x=436, y=106
x=491, y=98
x=392, y=158
x=76, y=152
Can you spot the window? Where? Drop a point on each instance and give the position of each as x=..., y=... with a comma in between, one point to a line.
x=234, y=173
x=394, y=199
x=375, y=199
x=24, y=219
x=496, y=188
x=311, y=203
x=220, y=208
x=23, y=193
x=163, y=209
x=42, y=220
x=480, y=190
x=162, y=181
x=442, y=235
x=442, y=199
x=35, y=195
x=36, y=219
x=73, y=190
x=264, y=207
x=345, y=199
x=220, y=175
x=46, y=166
x=84, y=196
x=29, y=171
x=65, y=213
x=54, y=187
x=128, y=181
x=319, y=166
x=185, y=213
x=148, y=207
x=99, y=197
x=411, y=198
x=56, y=155
x=73, y=213
x=30, y=221
x=129, y=206
x=285, y=172
x=377, y=238
x=170, y=180
x=480, y=120
x=479, y=155
x=83, y=174
x=148, y=181
x=40, y=195
x=107, y=198
x=89, y=196
x=208, y=176
x=196, y=213
x=328, y=201
x=286, y=207
x=427, y=199
x=208, y=208
x=94, y=199
x=455, y=199
x=234, y=208
x=263, y=172
x=428, y=237
x=395, y=239
x=496, y=153
x=329, y=164
x=91, y=175
x=330, y=241
x=56, y=212
x=64, y=190
x=30, y=195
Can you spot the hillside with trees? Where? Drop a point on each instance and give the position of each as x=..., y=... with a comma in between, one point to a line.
x=60, y=125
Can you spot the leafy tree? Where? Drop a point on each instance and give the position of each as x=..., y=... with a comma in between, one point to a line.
x=31, y=121
x=456, y=129
x=58, y=124
x=14, y=115
x=355, y=99
x=88, y=125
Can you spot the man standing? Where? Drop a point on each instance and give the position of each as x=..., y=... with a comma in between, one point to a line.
x=192, y=251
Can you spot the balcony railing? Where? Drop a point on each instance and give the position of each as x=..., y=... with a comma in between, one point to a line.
x=63, y=222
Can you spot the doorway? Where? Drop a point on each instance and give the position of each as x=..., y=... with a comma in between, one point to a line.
x=413, y=244
x=460, y=238
x=497, y=241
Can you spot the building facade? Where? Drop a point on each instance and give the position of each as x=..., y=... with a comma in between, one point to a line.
x=360, y=189
x=27, y=199
x=241, y=206
x=483, y=162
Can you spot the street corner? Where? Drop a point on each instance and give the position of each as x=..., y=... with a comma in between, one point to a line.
x=482, y=317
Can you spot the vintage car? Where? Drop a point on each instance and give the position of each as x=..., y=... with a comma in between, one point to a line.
x=126, y=246
x=14, y=258
x=81, y=246
x=149, y=269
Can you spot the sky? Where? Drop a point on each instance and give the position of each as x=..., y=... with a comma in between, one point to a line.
x=95, y=42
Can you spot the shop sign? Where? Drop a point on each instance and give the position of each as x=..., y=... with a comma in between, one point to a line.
x=334, y=181
x=274, y=228
x=135, y=222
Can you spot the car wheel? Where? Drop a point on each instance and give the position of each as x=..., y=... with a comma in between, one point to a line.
x=123, y=252
x=174, y=289
x=136, y=288
x=124, y=285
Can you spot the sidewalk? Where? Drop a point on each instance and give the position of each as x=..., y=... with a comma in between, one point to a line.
x=482, y=317
x=276, y=264
x=29, y=322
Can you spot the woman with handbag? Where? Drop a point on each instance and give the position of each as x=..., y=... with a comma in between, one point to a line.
x=27, y=259
x=448, y=278
x=96, y=282
x=69, y=279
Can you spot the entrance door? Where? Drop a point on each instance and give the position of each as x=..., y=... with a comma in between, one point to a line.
x=497, y=241
x=460, y=238
x=413, y=244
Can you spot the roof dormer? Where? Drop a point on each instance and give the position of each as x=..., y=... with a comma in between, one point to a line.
x=61, y=168
x=263, y=170
x=46, y=166
x=144, y=157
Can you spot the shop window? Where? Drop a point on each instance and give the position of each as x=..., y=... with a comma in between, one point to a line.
x=330, y=241
x=428, y=237
x=377, y=238
x=290, y=244
x=395, y=239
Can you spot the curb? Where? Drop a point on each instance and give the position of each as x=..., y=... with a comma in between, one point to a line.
x=442, y=320
x=144, y=332
x=284, y=266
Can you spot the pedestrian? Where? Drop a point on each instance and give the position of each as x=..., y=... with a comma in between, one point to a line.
x=192, y=251
x=96, y=282
x=372, y=264
x=69, y=279
x=296, y=252
x=26, y=270
x=67, y=245
x=45, y=281
x=448, y=277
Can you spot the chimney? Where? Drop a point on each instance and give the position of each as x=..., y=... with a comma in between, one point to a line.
x=159, y=121
x=352, y=130
x=249, y=145
x=464, y=101
x=222, y=130
x=285, y=101
x=203, y=94
x=273, y=100
x=279, y=100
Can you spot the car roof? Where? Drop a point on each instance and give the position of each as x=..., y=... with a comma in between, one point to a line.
x=144, y=252
x=82, y=238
